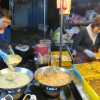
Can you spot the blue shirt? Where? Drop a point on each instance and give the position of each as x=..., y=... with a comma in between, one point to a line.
x=6, y=36
x=5, y=39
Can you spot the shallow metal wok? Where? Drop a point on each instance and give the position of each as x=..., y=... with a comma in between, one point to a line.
x=52, y=90
x=17, y=92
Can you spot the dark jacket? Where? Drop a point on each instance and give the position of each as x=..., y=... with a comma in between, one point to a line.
x=83, y=41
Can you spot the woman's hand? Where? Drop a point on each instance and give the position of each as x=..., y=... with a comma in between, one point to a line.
x=99, y=50
x=89, y=53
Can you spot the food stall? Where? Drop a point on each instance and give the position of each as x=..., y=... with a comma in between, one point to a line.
x=45, y=72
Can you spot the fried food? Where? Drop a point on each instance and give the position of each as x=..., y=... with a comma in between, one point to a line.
x=91, y=73
x=95, y=84
x=53, y=78
x=98, y=55
x=89, y=70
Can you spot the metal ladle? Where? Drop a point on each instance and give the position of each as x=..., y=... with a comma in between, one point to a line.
x=5, y=57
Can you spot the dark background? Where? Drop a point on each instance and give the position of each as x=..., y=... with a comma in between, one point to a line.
x=27, y=21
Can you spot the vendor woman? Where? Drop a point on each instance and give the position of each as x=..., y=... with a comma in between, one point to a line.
x=5, y=30
x=87, y=42
x=5, y=33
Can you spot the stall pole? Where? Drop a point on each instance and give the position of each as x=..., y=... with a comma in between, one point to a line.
x=44, y=20
x=12, y=10
x=61, y=33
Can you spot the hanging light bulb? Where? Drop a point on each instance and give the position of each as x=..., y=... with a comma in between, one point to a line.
x=65, y=5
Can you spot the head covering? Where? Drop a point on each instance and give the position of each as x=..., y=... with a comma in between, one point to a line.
x=4, y=19
x=97, y=20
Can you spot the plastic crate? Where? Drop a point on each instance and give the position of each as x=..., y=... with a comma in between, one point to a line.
x=66, y=59
x=90, y=91
x=87, y=88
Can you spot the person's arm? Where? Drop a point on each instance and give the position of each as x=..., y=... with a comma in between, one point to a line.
x=8, y=33
x=80, y=46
